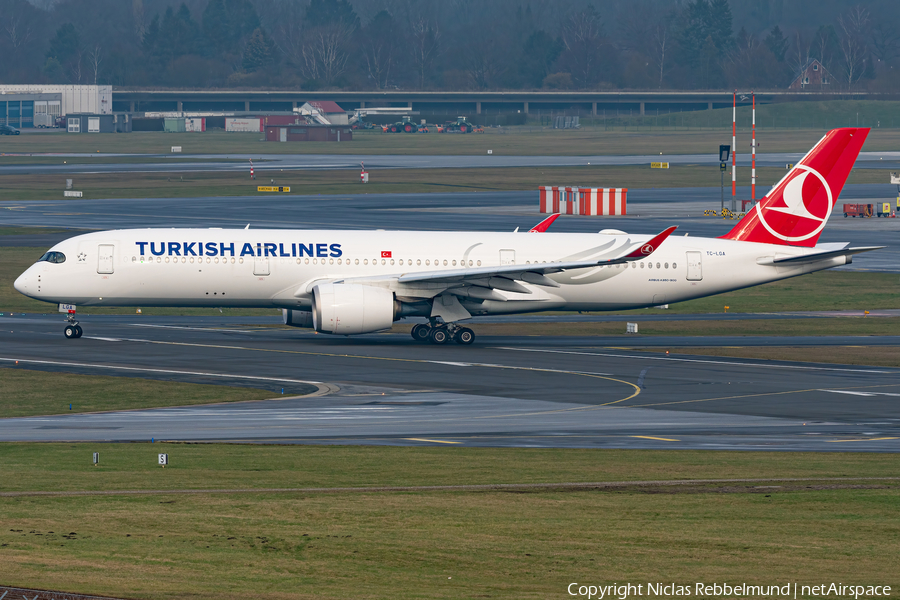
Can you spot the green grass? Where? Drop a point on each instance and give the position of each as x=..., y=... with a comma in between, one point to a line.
x=822, y=291
x=526, y=140
x=26, y=393
x=433, y=544
x=107, y=160
x=38, y=231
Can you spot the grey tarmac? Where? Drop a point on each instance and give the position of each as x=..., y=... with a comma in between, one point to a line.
x=503, y=391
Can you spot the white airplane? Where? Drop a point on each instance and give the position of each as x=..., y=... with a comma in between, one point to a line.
x=355, y=282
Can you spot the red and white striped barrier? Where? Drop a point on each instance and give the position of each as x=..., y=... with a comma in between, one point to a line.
x=582, y=201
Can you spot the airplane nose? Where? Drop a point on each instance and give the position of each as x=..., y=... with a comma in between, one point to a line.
x=21, y=284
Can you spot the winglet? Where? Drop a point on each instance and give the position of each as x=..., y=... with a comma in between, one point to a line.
x=648, y=248
x=543, y=225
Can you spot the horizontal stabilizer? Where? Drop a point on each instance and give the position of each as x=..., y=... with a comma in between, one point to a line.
x=816, y=256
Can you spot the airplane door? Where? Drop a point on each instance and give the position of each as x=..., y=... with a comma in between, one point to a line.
x=507, y=257
x=282, y=134
x=694, y=266
x=261, y=265
x=106, y=254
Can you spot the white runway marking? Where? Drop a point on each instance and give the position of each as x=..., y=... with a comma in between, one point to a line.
x=145, y=370
x=698, y=360
x=860, y=393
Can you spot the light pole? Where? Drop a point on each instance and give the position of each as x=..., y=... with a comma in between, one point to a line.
x=724, y=151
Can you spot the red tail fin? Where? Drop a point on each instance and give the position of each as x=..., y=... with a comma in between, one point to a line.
x=795, y=211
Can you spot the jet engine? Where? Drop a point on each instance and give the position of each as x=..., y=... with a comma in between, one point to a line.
x=347, y=309
x=296, y=318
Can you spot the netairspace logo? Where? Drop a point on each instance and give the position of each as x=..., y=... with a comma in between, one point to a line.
x=791, y=590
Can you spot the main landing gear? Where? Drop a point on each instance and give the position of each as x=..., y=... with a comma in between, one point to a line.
x=73, y=330
x=441, y=333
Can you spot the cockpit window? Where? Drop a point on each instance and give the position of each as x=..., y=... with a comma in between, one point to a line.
x=54, y=257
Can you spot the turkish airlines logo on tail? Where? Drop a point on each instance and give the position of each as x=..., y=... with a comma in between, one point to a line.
x=646, y=249
x=799, y=207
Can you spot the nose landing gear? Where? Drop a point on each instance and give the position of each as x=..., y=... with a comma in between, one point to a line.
x=73, y=330
x=441, y=333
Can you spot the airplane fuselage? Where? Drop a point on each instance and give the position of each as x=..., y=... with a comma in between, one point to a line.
x=279, y=268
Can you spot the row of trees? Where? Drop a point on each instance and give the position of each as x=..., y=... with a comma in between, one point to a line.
x=449, y=44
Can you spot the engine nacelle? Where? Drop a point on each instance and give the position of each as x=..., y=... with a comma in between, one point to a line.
x=347, y=309
x=297, y=318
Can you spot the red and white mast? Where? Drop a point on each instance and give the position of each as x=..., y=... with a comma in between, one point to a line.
x=734, y=150
x=753, y=150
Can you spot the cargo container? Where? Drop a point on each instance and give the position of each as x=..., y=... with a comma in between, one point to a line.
x=308, y=133
x=195, y=124
x=88, y=123
x=857, y=210
x=884, y=209
x=174, y=125
x=244, y=125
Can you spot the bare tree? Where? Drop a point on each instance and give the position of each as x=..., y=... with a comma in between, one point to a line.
x=884, y=39
x=288, y=36
x=18, y=34
x=853, y=26
x=379, y=48
x=137, y=13
x=426, y=47
x=660, y=44
x=324, y=52
x=800, y=53
x=95, y=57
x=379, y=56
x=582, y=38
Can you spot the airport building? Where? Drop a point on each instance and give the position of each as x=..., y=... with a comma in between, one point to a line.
x=39, y=105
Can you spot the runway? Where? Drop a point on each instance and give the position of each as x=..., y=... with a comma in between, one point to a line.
x=650, y=211
x=294, y=162
x=582, y=392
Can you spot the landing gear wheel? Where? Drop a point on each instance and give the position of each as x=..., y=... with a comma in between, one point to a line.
x=438, y=336
x=420, y=332
x=70, y=332
x=78, y=331
x=464, y=336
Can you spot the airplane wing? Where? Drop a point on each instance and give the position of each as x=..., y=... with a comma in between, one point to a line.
x=480, y=282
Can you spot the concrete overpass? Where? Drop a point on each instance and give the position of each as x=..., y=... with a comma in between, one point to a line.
x=529, y=102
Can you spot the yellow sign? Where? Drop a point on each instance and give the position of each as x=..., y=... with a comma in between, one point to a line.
x=269, y=188
x=659, y=165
